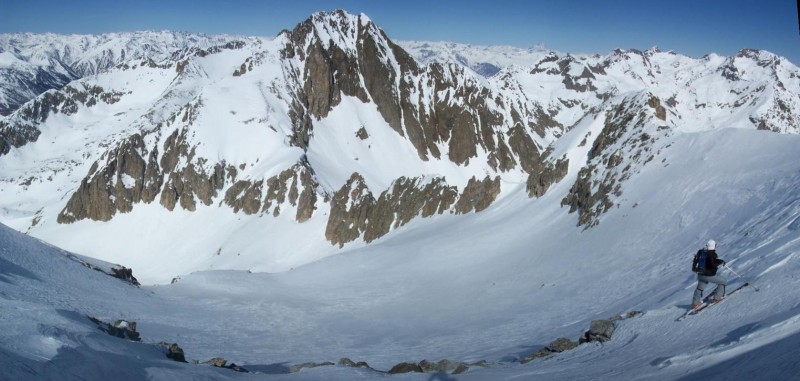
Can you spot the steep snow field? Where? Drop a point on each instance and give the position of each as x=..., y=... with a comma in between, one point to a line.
x=496, y=286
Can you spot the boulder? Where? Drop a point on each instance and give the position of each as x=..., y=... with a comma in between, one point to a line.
x=174, y=352
x=344, y=361
x=125, y=274
x=350, y=363
x=121, y=328
x=461, y=369
x=218, y=362
x=405, y=367
x=124, y=329
x=599, y=331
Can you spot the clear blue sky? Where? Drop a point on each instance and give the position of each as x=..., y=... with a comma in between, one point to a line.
x=693, y=28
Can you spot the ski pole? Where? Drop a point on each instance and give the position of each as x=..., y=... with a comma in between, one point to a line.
x=740, y=277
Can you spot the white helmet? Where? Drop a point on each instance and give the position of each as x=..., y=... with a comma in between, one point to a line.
x=711, y=245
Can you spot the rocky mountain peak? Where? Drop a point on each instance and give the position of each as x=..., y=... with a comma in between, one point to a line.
x=337, y=28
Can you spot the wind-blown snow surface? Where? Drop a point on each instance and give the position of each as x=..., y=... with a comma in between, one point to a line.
x=495, y=286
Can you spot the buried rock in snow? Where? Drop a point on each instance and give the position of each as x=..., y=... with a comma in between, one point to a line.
x=441, y=366
x=297, y=367
x=426, y=366
x=121, y=328
x=405, y=367
x=350, y=363
x=220, y=362
x=556, y=346
x=562, y=344
x=174, y=352
x=125, y=274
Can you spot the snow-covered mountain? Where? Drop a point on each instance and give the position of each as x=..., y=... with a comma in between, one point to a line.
x=393, y=203
x=484, y=60
x=31, y=64
x=332, y=135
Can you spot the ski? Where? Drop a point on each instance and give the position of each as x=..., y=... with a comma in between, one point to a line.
x=705, y=304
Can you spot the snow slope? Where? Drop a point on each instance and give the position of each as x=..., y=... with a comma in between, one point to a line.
x=492, y=286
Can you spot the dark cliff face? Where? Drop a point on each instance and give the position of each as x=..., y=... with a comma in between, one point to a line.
x=357, y=213
x=429, y=105
x=116, y=186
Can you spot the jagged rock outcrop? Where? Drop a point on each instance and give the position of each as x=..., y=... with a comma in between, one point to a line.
x=245, y=196
x=191, y=181
x=121, y=328
x=127, y=179
x=352, y=364
x=546, y=175
x=126, y=274
x=350, y=206
x=478, y=195
x=599, y=330
x=655, y=103
x=406, y=199
x=116, y=186
x=627, y=142
x=354, y=209
x=295, y=185
x=173, y=351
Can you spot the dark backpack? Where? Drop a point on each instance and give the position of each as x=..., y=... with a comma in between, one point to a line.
x=701, y=261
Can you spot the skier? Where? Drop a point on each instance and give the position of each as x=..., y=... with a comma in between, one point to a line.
x=707, y=273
